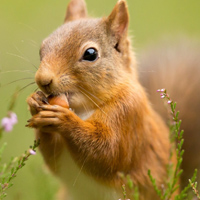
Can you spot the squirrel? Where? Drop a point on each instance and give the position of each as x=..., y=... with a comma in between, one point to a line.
x=110, y=128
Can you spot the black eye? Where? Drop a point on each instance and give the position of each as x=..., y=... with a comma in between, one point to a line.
x=90, y=54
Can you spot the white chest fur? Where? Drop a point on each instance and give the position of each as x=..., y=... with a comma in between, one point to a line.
x=85, y=115
x=80, y=186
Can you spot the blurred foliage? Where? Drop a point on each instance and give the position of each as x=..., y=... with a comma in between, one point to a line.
x=24, y=24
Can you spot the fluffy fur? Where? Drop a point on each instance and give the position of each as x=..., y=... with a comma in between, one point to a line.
x=121, y=133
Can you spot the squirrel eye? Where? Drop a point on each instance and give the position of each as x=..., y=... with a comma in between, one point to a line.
x=90, y=54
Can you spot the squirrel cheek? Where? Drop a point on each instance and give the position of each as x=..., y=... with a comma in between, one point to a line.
x=59, y=100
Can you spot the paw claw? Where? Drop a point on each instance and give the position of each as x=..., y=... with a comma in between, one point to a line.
x=45, y=101
x=29, y=125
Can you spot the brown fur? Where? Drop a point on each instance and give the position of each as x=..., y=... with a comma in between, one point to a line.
x=175, y=65
x=123, y=134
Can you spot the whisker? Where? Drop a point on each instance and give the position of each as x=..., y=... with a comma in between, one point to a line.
x=23, y=58
x=79, y=172
x=33, y=43
x=90, y=94
x=18, y=56
x=92, y=101
x=92, y=88
x=26, y=86
x=84, y=105
x=27, y=26
x=25, y=71
x=54, y=152
x=21, y=79
x=36, y=89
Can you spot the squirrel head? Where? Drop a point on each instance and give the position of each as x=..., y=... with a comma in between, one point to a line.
x=86, y=58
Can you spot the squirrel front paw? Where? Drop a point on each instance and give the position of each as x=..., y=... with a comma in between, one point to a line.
x=36, y=100
x=53, y=118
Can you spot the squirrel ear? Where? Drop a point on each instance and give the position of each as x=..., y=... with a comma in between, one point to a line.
x=118, y=20
x=76, y=9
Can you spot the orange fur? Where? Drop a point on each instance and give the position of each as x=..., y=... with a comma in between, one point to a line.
x=175, y=65
x=112, y=128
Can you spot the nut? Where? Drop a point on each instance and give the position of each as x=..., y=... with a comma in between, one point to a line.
x=60, y=100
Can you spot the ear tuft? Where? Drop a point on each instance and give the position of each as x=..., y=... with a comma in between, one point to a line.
x=76, y=9
x=118, y=20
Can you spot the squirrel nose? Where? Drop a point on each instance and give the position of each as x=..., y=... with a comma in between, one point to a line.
x=44, y=80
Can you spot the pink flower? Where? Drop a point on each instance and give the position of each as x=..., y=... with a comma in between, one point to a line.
x=8, y=122
x=13, y=118
x=169, y=101
x=32, y=152
x=162, y=97
x=161, y=90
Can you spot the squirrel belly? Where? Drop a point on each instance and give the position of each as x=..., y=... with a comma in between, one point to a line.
x=111, y=128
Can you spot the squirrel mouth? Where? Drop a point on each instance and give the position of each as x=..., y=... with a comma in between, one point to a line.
x=68, y=95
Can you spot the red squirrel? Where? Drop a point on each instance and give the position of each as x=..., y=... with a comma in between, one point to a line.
x=110, y=126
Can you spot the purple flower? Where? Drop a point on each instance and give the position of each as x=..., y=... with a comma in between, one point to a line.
x=13, y=118
x=8, y=122
x=32, y=152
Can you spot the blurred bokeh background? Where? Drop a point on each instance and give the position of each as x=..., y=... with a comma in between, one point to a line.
x=25, y=23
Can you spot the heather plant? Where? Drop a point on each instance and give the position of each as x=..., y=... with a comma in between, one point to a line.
x=194, y=188
x=167, y=189
x=129, y=185
x=173, y=172
x=9, y=170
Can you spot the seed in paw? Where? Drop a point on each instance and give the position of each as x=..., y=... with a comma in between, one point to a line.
x=60, y=100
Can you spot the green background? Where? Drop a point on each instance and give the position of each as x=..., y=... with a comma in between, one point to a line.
x=25, y=23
